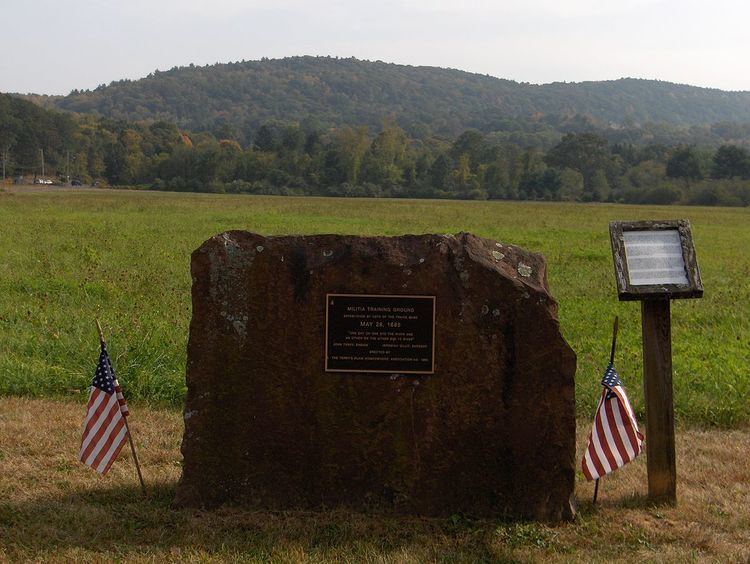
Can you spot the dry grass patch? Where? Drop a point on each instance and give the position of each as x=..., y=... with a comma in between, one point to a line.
x=54, y=509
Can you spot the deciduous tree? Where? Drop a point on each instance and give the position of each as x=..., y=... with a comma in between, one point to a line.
x=731, y=161
x=586, y=153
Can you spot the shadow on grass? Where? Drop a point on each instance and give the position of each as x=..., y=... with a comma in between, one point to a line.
x=119, y=522
x=586, y=508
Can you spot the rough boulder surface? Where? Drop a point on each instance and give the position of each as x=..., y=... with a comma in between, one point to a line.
x=490, y=433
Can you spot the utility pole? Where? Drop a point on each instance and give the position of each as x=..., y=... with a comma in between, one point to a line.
x=67, y=167
x=42, y=152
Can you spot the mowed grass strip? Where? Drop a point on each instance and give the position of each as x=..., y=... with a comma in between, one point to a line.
x=124, y=256
x=52, y=508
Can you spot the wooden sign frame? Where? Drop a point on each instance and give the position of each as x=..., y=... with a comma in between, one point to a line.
x=627, y=291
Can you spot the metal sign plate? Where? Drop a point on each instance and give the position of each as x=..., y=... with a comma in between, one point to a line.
x=380, y=333
x=654, y=257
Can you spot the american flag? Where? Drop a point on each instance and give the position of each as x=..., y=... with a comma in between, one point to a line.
x=614, y=440
x=104, y=430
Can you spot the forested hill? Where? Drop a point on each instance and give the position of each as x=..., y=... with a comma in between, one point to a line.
x=238, y=97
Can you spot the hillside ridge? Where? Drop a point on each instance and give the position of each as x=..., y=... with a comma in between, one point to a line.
x=424, y=100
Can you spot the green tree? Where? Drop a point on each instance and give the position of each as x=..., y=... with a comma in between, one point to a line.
x=472, y=144
x=496, y=180
x=600, y=189
x=266, y=139
x=7, y=140
x=10, y=125
x=586, y=153
x=685, y=164
x=463, y=183
x=439, y=172
x=293, y=139
x=385, y=160
x=343, y=160
x=646, y=174
x=731, y=161
x=226, y=130
x=571, y=185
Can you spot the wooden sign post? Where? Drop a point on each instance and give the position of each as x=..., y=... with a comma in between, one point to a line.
x=655, y=263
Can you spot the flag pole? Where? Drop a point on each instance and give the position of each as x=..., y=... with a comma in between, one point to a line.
x=99, y=328
x=614, y=340
x=135, y=456
x=611, y=362
x=127, y=427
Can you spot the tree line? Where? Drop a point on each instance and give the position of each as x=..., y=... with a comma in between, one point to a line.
x=300, y=159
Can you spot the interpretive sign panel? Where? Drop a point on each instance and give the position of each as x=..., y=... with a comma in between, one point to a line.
x=380, y=333
x=655, y=259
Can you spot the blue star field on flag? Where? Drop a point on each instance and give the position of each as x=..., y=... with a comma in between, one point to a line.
x=104, y=377
x=611, y=380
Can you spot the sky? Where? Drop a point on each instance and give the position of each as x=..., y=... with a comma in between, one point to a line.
x=54, y=46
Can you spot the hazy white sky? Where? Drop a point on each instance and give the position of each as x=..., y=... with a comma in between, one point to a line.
x=53, y=46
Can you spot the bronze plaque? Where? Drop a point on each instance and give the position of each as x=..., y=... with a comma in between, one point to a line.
x=379, y=333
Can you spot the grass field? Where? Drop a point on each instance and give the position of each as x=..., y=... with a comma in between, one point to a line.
x=66, y=257
x=54, y=509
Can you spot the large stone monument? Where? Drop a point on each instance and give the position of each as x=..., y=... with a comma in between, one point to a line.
x=421, y=374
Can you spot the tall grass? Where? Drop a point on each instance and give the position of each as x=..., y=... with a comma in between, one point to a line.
x=124, y=257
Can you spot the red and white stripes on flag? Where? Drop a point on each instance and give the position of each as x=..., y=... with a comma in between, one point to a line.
x=104, y=430
x=121, y=399
x=614, y=440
